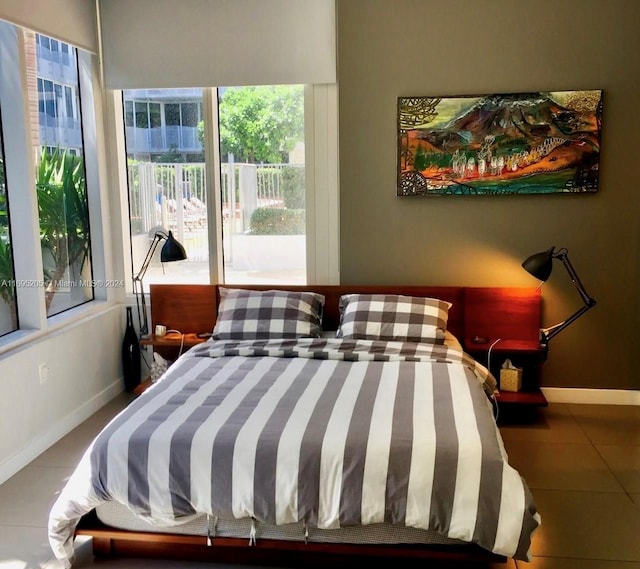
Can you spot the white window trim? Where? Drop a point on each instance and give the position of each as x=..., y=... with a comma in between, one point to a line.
x=322, y=184
x=119, y=194
x=97, y=221
x=213, y=184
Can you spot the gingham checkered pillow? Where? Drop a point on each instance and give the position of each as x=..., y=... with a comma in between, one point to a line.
x=392, y=317
x=259, y=315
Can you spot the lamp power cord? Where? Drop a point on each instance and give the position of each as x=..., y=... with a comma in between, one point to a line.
x=181, y=339
x=493, y=399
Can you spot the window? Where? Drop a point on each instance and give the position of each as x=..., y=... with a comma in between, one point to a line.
x=8, y=302
x=172, y=114
x=182, y=114
x=56, y=101
x=262, y=182
x=154, y=115
x=48, y=100
x=128, y=113
x=43, y=41
x=166, y=178
x=47, y=264
x=142, y=115
x=60, y=179
x=190, y=114
x=69, y=101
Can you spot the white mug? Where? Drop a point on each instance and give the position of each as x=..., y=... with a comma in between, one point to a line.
x=160, y=330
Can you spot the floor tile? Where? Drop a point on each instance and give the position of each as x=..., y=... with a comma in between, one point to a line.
x=609, y=424
x=587, y=494
x=554, y=423
x=27, y=497
x=581, y=411
x=624, y=461
x=561, y=466
x=23, y=547
x=564, y=563
x=587, y=525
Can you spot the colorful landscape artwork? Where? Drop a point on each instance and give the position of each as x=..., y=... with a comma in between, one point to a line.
x=519, y=143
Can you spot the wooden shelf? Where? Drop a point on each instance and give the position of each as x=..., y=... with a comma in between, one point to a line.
x=525, y=347
x=172, y=340
x=533, y=398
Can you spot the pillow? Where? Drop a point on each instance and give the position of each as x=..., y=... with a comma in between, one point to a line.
x=393, y=317
x=259, y=315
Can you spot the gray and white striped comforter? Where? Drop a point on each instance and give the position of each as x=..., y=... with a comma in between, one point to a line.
x=329, y=432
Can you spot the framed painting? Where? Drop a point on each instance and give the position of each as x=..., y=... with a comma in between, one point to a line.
x=518, y=143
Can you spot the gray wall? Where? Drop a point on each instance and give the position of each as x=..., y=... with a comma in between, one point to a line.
x=392, y=48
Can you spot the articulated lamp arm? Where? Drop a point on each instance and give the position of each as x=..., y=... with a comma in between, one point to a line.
x=539, y=265
x=547, y=333
x=138, y=287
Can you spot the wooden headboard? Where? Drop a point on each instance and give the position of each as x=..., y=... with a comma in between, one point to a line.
x=512, y=313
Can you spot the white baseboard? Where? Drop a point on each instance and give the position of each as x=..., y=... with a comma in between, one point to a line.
x=592, y=396
x=58, y=430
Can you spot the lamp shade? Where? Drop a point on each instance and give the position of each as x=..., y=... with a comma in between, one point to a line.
x=172, y=250
x=540, y=264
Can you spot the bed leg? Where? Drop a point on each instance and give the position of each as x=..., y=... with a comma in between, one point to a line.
x=102, y=547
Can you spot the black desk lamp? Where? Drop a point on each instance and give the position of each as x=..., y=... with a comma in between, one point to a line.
x=540, y=266
x=172, y=250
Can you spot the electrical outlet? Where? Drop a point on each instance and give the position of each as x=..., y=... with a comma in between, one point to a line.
x=43, y=373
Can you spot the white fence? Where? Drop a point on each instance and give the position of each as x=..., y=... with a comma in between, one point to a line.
x=173, y=196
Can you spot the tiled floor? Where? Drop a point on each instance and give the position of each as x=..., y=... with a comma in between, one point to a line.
x=582, y=463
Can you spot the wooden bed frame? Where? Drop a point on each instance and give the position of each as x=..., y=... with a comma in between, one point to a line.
x=491, y=312
x=113, y=542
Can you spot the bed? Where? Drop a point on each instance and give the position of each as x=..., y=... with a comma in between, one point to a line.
x=316, y=423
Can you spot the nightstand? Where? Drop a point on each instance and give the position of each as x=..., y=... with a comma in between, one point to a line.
x=514, y=315
x=169, y=346
x=526, y=354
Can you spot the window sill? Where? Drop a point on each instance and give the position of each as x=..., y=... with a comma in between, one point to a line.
x=55, y=324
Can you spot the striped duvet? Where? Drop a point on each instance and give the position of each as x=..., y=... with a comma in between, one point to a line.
x=328, y=432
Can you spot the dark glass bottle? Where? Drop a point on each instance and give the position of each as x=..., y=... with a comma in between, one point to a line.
x=131, y=366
